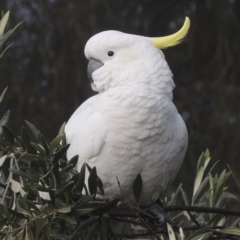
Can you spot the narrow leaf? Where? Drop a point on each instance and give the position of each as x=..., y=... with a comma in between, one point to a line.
x=3, y=23
x=92, y=181
x=170, y=232
x=25, y=136
x=8, y=133
x=92, y=231
x=3, y=93
x=66, y=209
x=137, y=187
x=60, y=152
x=4, y=120
x=2, y=159
x=81, y=179
x=62, y=128
x=33, y=129
x=15, y=186
x=39, y=224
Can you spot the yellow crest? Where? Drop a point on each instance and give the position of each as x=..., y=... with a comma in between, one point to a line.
x=174, y=39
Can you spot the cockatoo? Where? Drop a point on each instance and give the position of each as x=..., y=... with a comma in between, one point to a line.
x=131, y=126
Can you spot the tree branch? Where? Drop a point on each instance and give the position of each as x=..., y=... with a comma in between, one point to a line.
x=231, y=212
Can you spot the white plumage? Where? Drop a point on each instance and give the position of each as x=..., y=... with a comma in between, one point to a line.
x=131, y=126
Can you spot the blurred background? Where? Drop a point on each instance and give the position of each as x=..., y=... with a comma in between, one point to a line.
x=45, y=69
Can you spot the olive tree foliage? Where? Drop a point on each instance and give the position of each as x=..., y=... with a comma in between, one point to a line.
x=37, y=165
x=52, y=86
x=45, y=68
x=71, y=213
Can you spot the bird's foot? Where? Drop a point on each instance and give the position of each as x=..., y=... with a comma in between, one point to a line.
x=103, y=198
x=155, y=210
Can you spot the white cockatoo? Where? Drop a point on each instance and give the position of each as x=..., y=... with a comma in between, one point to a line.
x=131, y=126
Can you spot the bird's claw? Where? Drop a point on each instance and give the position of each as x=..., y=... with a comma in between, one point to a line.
x=155, y=210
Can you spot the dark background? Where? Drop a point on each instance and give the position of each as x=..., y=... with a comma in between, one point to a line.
x=45, y=69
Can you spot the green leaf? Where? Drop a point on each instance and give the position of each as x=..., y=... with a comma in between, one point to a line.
x=3, y=23
x=137, y=187
x=73, y=160
x=24, y=207
x=170, y=232
x=3, y=93
x=83, y=201
x=39, y=148
x=69, y=218
x=198, y=180
x=90, y=221
x=33, y=129
x=29, y=233
x=26, y=157
x=66, y=209
x=200, y=161
x=61, y=236
x=100, y=185
x=18, y=172
x=174, y=195
x=31, y=205
x=81, y=179
x=60, y=152
x=66, y=168
x=69, y=183
x=2, y=159
x=7, y=214
x=15, y=186
x=39, y=224
x=82, y=211
x=42, y=141
x=198, y=233
x=2, y=178
x=25, y=136
x=7, y=35
x=1, y=43
x=62, y=128
x=92, y=231
x=4, y=120
x=201, y=188
x=108, y=207
x=8, y=133
x=92, y=181
x=203, y=236
x=225, y=195
x=202, y=164
x=55, y=142
x=184, y=195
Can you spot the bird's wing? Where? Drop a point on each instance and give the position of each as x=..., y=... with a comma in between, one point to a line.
x=86, y=132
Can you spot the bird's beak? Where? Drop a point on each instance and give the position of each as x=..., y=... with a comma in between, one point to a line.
x=93, y=65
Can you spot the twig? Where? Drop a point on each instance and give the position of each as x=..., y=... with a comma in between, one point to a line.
x=119, y=219
x=9, y=181
x=231, y=212
x=15, y=160
x=45, y=174
x=144, y=222
x=235, y=178
x=6, y=196
x=189, y=213
x=176, y=229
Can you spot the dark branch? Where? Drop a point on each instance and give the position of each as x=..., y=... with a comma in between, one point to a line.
x=189, y=213
x=231, y=212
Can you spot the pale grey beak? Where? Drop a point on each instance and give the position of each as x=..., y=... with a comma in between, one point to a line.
x=93, y=65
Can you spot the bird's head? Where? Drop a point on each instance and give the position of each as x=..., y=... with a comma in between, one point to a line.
x=118, y=59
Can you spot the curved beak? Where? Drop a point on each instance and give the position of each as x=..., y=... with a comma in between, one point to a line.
x=93, y=65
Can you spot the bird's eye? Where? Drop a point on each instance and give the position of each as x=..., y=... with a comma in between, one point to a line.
x=110, y=53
